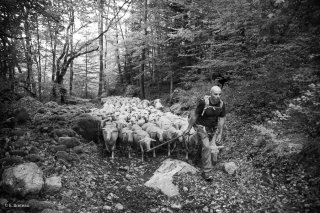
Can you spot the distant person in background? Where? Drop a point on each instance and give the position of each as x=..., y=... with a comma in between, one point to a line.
x=208, y=120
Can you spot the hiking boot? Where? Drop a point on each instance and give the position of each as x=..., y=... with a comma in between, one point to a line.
x=207, y=177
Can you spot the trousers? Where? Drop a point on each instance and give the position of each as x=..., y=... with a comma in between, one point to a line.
x=203, y=136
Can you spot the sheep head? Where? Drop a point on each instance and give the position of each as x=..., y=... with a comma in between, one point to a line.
x=146, y=141
x=215, y=151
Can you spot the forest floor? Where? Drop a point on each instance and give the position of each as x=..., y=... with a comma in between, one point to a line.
x=261, y=184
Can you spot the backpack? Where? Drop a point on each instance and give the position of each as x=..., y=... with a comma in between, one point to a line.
x=207, y=102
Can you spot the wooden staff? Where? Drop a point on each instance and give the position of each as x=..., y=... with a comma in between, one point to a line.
x=169, y=141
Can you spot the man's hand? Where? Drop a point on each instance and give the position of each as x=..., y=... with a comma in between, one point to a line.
x=186, y=131
x=218, y=139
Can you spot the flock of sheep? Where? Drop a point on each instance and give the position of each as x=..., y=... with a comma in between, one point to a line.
x=141, y=123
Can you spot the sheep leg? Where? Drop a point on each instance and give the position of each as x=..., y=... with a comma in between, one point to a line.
x=107, y=148
x=187, y=150
x=174, y=146
x=142, y=153
x=129, y=151
x=112, y=150
x=154, y=151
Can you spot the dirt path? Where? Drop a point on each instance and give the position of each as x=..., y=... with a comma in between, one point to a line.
x=97, y=184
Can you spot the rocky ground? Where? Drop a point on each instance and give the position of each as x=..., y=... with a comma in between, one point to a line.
x=267, y=180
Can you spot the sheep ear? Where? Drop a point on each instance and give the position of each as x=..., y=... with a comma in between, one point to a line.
x=153, y=139
x=220, y=147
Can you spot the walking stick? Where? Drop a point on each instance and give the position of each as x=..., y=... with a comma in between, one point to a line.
x=169, y=141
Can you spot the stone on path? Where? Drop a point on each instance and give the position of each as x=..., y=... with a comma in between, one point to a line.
x=230, y=167
x=119, y=206
x=87, y=126
x=23, y=179
x=163, y=176
x=52, y=184
x=69, y=142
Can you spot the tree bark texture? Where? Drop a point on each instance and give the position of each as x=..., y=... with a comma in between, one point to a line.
x=100, y=29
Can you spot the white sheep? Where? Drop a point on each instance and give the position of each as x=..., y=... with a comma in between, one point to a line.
x=110, y=136
x=126, y=137
x=143, y=140
x=190, y=140
x=157, y=104
x=215, y=149
x=155, y=133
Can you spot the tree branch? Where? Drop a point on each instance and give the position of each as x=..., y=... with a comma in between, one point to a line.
x=108, y=27
x=66, y=65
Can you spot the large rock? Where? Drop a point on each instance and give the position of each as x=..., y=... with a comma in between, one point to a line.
x=69, y=142
x=71, y=158
x=52, y=185
x=88, y=127
x=56, y=133
x=230, y=168
x=21, y=115
x=28, y=106
x=39, y=206
x=162, y=178
x=23, y=179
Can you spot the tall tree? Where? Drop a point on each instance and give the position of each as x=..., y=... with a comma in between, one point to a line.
x=117, y=53
x=30, y=83
x=71, y=46
x=37, y=57
x=144, y=50
x=106, y=80
x=100, y=31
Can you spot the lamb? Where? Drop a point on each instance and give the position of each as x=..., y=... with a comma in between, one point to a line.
x=136, y=127
x=141, y=121
x=169, y=132
x=146, y=125
x=190, y=141
x=215, y=149
x=181, y=123
x=121, y=124
x=175, y=133
x=110, y=136
x=157, y=104
x=126, y=137
x=155, y=133
x=143, y=139
x=164, y=123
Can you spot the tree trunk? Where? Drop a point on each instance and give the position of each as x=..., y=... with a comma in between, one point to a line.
x=100, y=29
x=11, y=78
x=71, y=49
x=143, y=55
x=39, y=61
x=106, y=85
x=126, y=73
x=45, y=63
x=30, y=78
x=118, y=55
x=86, y=87
x=53, y=43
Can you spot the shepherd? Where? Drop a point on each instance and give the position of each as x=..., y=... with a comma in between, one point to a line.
x=208, y=119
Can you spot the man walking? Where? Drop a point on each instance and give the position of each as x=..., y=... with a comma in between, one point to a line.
x=208, y=120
